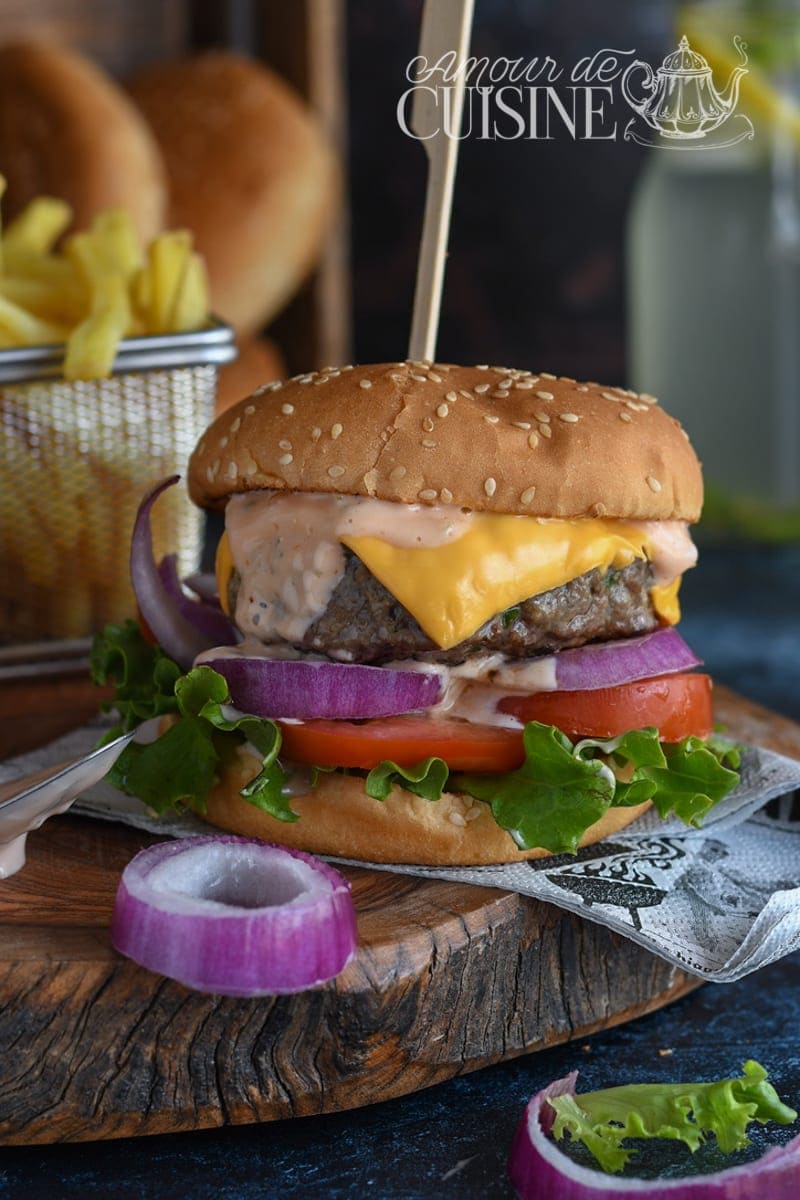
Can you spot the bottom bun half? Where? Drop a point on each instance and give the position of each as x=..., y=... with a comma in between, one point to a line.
x=340, y=819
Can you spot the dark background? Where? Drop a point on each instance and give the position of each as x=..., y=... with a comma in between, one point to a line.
x=536, y=269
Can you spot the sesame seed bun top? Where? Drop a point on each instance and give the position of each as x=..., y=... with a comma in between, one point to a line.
x=492, y=439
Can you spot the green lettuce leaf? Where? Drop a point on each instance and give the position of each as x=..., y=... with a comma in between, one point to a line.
x=145, y=678
x=685, y=1112
x=426, y=779
x=561, y=789
x=552, y=799
x=181, y=766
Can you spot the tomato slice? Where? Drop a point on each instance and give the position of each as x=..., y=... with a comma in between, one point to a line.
x=678, y=705
x=406, y=741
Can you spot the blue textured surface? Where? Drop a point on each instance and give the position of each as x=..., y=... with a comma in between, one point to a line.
x=452, y=1141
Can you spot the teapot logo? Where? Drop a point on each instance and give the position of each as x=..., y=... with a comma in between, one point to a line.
x=681, y=105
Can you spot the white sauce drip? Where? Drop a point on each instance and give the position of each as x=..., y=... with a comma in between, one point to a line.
x=286, y=547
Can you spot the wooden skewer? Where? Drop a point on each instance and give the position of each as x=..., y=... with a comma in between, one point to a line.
x=446, y=26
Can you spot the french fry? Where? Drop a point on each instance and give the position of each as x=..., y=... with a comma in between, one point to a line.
x=92, y=345
x=64, y=302
x=22, y=328
x=36, y=229
x=190, y=310
x=167, y=257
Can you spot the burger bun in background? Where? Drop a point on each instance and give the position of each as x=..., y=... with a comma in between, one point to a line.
x=68, y=130
x=259, y=360
x=250, y=173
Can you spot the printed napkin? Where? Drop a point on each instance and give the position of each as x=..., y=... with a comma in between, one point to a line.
x=718, y=902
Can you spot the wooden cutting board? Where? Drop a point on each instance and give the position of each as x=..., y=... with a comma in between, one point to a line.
x=448, y=978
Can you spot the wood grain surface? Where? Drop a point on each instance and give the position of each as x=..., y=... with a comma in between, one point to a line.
x=448, y=978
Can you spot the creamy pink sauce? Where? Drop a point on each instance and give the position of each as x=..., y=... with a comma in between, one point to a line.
x=287, y=549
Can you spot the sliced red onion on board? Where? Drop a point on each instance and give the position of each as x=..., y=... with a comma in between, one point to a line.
x=538, y=1170
x=343, y=691
x=178, y=636
x=234, y=916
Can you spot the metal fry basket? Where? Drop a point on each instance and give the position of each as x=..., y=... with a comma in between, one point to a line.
x=75, y=460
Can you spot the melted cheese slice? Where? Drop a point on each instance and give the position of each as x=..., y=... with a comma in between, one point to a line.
x=453, y=589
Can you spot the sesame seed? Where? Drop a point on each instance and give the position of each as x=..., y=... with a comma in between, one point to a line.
x=481, y=388
x=210, y=474
x=521, y=424
x=349, y=367
x=285, y=459
x=533, y=440
x=336, y=430
x=446, y=496
x=490, y=486
x=567, y=379
x=467, y=395
x=610, y=396
x=545, y=395
x=251, y=408
x=524, y=384
x=582, y=387
x=456, y=818
x=335, y=472
x=570, y=418
x=235, y=425
x=287, y=409
x=322, y=379
x=648, y=399
x=284, y=444
x=427, y=425
x=272, y=387
x=428, y=443
x=483, y=366
x=490, y=420
x=545, y=430
x=215, y=466
x=223, y=441
x=232, y=470
x=303, y=379
x=546, y=375
x=451, y=396
x=542, y=416
x=397, y=473
x=625, y=416
x=527, y=495
x=473, y=813
x=397, y=378
x=434, y=378
x=498, y=395
x=427, y=494
x=419, y=378
x=442, y=410
x=316, y=433
x=653, y=484
x=365, y=383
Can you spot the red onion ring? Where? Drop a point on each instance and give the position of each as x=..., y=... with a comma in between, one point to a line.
x=303, y=690
x=178, y=636
x=234, y=916
x=538, y=1170
x=206, y=615
x=607, y=664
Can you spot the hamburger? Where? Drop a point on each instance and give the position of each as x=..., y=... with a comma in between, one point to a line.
x=454, y=592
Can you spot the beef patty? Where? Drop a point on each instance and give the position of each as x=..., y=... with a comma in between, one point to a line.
x=364, y=623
